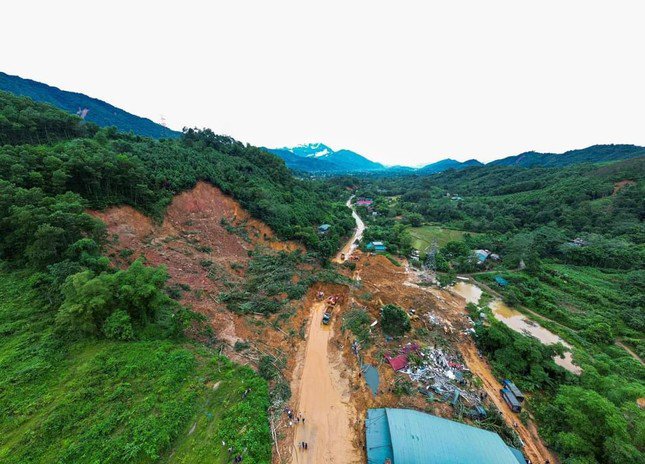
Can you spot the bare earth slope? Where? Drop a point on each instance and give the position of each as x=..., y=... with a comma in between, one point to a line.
x=203, y=241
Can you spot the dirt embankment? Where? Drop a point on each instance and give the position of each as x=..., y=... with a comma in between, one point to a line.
x=204, y=242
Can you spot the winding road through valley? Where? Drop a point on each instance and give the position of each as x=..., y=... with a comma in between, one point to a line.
x=352, y=244
x=322, y=394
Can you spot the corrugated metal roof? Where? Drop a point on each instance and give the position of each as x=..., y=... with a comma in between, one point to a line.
x=377, y=437
x=418, y=437
x=518, y=455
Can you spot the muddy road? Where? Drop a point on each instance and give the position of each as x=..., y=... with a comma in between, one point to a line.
x=534, y=448
x=324, y=401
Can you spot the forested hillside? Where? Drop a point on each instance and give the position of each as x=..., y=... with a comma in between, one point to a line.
x=605, y=200
x=94, y=362
x=593, y=154
x=99, y=112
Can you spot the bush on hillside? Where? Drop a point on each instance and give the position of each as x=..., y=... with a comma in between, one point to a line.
x=394, y=320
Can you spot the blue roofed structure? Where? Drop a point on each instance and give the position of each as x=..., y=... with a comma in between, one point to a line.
x=376, y=246
x=481, y=255
x=501, y=281
x=405, y=436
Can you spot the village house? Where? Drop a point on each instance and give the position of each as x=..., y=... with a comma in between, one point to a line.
x=378, y=247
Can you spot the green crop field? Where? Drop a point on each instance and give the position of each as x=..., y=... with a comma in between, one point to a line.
x=422, y=237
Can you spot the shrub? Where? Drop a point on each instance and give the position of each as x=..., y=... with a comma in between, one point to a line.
x=241, y=346
x=358, y=322
x=118, y=326
x=394, y=320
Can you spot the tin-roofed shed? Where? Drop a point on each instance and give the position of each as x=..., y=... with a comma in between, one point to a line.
x=411, y=437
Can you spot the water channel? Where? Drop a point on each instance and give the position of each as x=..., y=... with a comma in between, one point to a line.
x=518, y=322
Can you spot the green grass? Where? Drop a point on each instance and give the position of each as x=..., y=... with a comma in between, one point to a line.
x=117, y=402
x=422, y=237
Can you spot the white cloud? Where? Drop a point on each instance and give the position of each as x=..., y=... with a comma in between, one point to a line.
x=401, y=82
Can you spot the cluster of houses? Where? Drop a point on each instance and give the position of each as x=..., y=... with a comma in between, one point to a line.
x=367, y=203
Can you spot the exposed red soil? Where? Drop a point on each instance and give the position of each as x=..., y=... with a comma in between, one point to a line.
x=192, y=242
x=618, y=186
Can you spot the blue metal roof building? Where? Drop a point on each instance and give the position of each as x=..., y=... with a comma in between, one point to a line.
x=405, y=436
x=376, y=246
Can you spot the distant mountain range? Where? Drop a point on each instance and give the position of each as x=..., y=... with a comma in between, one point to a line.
x=315, y=158
x=99, y=112
x=593, y=154
x=319, y=158
x=448, y=163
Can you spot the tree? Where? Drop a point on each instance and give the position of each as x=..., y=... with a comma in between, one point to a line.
x=394, y=320
x=114, y=304
x=599, y=332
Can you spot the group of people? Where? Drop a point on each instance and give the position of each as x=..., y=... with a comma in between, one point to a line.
x=294, y=419
x=297, y=419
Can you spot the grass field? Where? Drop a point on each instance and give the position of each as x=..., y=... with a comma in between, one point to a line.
x=422, y=237
x=118, y=402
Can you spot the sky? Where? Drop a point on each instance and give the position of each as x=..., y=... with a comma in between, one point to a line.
x=405, y=82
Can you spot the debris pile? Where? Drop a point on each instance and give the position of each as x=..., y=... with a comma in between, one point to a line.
x=439, y=372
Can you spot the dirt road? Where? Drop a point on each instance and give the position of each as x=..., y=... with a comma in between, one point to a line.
x=351, y=245
x=534, y=448
x=323, y=400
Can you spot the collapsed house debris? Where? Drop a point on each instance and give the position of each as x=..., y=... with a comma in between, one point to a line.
x=441, y=373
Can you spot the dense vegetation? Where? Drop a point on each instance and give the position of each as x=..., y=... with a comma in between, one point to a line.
x=593, y=154
x=98, y=400
x=571, y=246
x=94, y=363
x=23, y=121
x=111, y=168
x=100, y=112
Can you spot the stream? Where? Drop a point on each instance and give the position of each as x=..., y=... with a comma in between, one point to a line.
x=518, y=322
